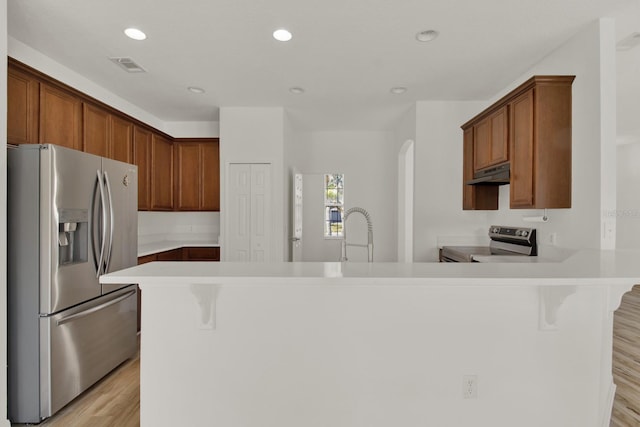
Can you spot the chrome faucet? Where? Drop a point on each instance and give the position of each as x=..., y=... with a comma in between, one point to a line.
x=369, y=244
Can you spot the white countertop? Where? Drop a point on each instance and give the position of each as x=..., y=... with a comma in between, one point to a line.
x=586, y=267
x=513, y=259
x=167, y=245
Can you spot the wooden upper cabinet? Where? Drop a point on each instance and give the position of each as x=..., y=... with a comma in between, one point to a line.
x=210, y=176
x=142, y=158
x=60, y=117
x=188, y=176
x=491, y=140
x=95, y=130
x=45, y=111
x=107, y=135
x=197, y=176
x=23, y=94
x=521, y=169
x=120, y=139
x=541, y=142
x=530, y=128
x=161, y=173
x=473, y=196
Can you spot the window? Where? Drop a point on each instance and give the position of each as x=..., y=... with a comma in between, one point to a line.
x=333, y=205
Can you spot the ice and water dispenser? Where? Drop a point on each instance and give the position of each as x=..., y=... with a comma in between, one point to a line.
x=73, y=236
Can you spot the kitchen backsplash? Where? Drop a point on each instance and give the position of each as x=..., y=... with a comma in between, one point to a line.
x=189, y=226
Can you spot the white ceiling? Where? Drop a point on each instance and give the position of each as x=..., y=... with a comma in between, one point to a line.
x=347, y=54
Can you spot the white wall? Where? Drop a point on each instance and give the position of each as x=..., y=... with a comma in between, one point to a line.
x=368, y=160
x=593, y=141
x=254, y=135
x=404, y=132
x=48, y=66
x=376, y=356
x=3, y=214
x=627, y=211
x=439, y=154
x=185, y=226
x=438, y=177
x=288, y=170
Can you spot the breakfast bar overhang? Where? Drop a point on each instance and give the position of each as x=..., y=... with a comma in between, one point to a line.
x=380, y=344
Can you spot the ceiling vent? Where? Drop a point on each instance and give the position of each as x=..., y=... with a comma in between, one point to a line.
x=128, y=65
x=629, y=42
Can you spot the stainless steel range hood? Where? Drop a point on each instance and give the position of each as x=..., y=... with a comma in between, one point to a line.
x=498, y=175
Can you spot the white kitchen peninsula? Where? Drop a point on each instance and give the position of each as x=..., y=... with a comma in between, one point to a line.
x=382, y=344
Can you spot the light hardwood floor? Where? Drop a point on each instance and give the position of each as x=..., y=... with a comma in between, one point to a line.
x=114, y=401
x=626, y=361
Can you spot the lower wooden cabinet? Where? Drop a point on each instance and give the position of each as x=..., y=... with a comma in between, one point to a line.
x=187, y=253
x=201, y=254
x=172, y=255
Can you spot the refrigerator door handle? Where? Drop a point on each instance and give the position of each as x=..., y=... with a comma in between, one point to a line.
x=111, y=220
x=92, y=206
x=104, y=226
x=91, y=310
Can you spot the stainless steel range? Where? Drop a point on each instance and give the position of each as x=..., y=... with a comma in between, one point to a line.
x=516, y=241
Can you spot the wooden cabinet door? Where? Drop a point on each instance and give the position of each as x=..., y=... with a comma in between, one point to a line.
x=188, y=170
x=60, y=117
x=142, y=158
x=474, y=197
x=467, y=166
x=22, y=108
x=95, y=135
x=201, y=254
x=522, y=146
x=172, y=255
x=491, y=137
x=147, y=258
x=161, y=173
x=210, y=176
x=197, y=175
x=482, y=145
x=499, y=136
x=121, y=139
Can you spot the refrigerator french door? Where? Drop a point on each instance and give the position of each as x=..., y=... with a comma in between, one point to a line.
x=72, y=216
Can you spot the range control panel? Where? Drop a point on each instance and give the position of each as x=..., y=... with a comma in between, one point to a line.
x=501, y=233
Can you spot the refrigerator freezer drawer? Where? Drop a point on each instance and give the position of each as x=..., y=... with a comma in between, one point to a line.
x=86, y=342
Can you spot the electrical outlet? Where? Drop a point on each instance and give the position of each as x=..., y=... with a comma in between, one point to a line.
x=470, y=386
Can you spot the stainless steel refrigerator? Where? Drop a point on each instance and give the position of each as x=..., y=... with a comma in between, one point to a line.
x=72, y=216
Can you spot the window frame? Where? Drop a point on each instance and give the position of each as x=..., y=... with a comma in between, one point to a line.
x=329, y=205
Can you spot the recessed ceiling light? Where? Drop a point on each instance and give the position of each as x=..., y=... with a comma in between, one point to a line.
x=195, y=89
x=282, y=35
x=398, y=90
x=135, y=34
x=296, y=90
x=427, y=36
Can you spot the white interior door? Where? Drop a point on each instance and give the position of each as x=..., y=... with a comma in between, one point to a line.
x=296, y=215
x=260, y=212
x=249, y=212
